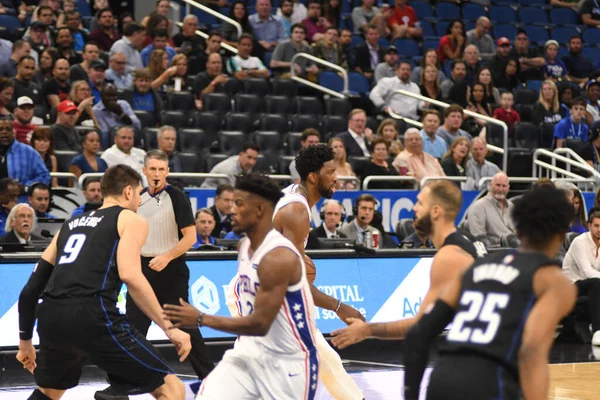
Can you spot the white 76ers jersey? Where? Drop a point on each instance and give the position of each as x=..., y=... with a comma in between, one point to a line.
x=290, y=196
x=293, y=329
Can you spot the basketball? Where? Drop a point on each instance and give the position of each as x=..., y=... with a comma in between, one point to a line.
x=311, y=270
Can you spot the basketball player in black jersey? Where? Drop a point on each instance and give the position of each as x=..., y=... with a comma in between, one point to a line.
x=505, y=309
x=438, y=205
x=78, y=278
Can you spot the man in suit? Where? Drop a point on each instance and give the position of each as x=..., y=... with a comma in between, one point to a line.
x=222, y=210
x=20, y=224
x=356, y=139
x=368, y=54
x=332, y=215
x=361, y=224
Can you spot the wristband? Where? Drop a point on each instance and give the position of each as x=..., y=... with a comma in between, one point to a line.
x=200, y=318
x=338, y=306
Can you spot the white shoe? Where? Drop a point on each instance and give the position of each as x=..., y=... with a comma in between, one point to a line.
x=596, y=338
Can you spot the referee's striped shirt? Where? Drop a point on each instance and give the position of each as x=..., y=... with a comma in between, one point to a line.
x=167, y=213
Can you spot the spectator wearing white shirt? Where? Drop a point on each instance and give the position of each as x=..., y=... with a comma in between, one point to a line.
x=384, y=94
x=243, y=66
x=582, y=267
x=123, y=152
x=298, y=14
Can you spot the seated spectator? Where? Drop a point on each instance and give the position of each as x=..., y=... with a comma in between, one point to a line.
x=453, y=119
x=213, y=45
x=433, y=144
x=403, y=21
x=452, y=45
x=367, y=13
x=579, y=67
x=592, y=110
x=233, y=166
x=81, y=95
x=117, y=73
x=332, y=215
x=105, y=33
x=356, y=139
x=589, y=12
x=345, y=43
x=36, y=40
x=64, y=45
x=478, y=167
x=9, y=195
x=477, y=103
x=80, y=36
x=285, y=50
x=315, y=24
x=25, y=122
x=509, y=80
x=343, y=168
x=238, y=13
x=430, y=57
x=498, y=63
x=480, y=38
x=153, y=22
x=455, y=89
x=416, y=240
x=80, y=71
x=430, y=86
x=579, y=225
x=492, y=215
x=45, y=68
x=268, y=29
x=88, y=162
x=159, y=70
x=471, y=59
x=566, y=94
x=506, y=113
x=554, y=69
x=484, y=77
x=243, y=66
x=123, y=152
x=212, y=80
x=531, y=61
x=167, y=139
x=388, y=131
x=379, y=166
x=413, y=161
x=112, y=112
x=57, y=88
x=591, y=151
x=43, y=142
x=24, y=84
x=190, y=44
x=310, y=137
x=159, y=42
x=39, y=196
x=368, y=54
x=573, y=126
x=454, y=162
x=19, y=225
x=384, y=95
x=64, y=133
x=142, y=97
x=387, y=68
x=20, y=49
x=222, y=210
x=205, y=223
x=548, y=110
x=97, y=79
x=133, y=37
x=93, y=196
x=581, y=267
x=361, y=224
x=285, y=12
x=328, y=49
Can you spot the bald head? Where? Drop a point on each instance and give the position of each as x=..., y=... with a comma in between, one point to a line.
x=214, y=64
x=483, y=26
x=479, y=149
x=499, y=187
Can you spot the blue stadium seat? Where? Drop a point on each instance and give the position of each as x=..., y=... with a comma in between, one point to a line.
x=534, y=2
x=536, y=34
x=505, y=30
x=356, y=40
x=11, y=23
x=470, y=25
x=534, y=85
x=447, y=10
x=427, y=28
x=502, y=14
x=593, y=53
x=358, y=83
x=331, y=80
x=205, y=18
x=533, y=15
x=84, y=8
x=407, y=47
x=562, y=52
x=383, y=42
x=591, y=36
x=430, y=44
x=562, y=34
x=422, y=9
x=441, y=27
x=564, y=16
x=471, y=12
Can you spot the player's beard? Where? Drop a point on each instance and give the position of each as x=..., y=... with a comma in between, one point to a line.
x=424, y=225
x=326, y=192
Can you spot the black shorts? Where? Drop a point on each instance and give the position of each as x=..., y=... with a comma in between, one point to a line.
x=471, y=377
x=75, y=330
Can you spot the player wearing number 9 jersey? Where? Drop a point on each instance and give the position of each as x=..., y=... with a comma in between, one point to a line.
x=505, y=307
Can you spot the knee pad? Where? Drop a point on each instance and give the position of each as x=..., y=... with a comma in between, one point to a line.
x=38, y=395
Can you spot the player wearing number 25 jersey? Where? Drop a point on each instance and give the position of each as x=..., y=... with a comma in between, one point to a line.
x=504, y=310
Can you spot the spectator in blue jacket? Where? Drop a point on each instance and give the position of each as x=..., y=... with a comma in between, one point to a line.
x=573, y=126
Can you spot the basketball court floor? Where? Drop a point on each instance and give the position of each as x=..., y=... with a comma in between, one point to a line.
x=376, y=366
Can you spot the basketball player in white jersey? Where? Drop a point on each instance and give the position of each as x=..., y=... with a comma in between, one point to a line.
x=292, y=218
x=275, y=355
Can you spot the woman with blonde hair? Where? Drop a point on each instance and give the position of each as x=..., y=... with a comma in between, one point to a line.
x=455, y=159
x=180, y=62
x=343, y=168
x=81, y=95
x=388, y=131
x=42, y=142
x=158, y=65
x=548, y=110
x=430, y=85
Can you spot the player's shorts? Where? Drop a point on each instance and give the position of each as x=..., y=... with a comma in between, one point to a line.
x=75, y=330
x=264, y=374
x=471, y=377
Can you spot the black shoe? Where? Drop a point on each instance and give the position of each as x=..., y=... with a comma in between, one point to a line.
x=109, y=394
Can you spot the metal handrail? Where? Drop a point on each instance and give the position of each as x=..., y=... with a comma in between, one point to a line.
x=405, y=119
x=583, y=164
x=199, y=175
x=379, y=178
x=204, y=35
x=470, y=113
x=523, y=179
x=68, y=175
x=216, y=14
x=557, y=157
x=441, y=178
x=323, y=89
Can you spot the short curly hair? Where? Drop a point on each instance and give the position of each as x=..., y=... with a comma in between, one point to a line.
x=260, y=185
x=312, y=158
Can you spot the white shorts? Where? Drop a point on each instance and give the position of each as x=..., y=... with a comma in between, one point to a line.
x=266, y=376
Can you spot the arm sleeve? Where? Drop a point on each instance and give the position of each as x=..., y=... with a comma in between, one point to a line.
x=29, y=296
x=582, y=263
x=39, y=171
x=281, y=33
x=129, y=111
x=476, y=220
x=378, y=93
x=182, y=207
x=558, y=131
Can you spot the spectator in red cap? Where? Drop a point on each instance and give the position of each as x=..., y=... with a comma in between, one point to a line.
x=63, y=132
x=498, y=63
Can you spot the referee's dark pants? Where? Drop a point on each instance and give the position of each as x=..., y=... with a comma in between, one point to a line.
x=169, y=285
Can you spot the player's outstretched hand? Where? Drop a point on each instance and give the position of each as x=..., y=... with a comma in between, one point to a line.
x=182, y=342
x=182, y=316
x=356, y=331
x=347, y=311
x=26, y=355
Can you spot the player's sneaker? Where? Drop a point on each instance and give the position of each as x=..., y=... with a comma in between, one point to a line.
x=109, y=394
x=596, y=338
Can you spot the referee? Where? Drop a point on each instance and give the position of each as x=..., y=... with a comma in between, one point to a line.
x=172, y=232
